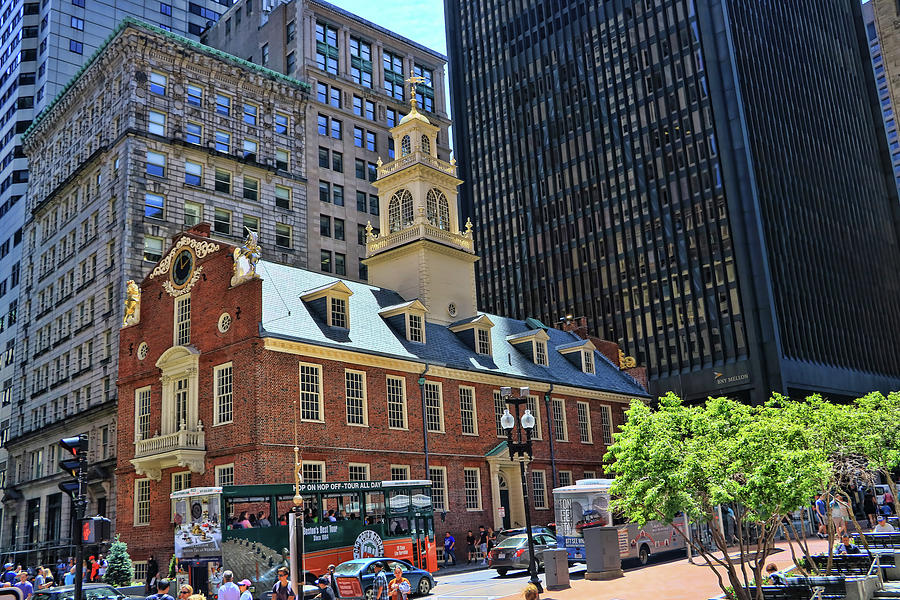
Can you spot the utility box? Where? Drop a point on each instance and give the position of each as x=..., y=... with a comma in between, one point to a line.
x=601, y=549
x=556, y=568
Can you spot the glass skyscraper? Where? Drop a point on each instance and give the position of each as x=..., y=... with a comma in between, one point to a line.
x=705, y=180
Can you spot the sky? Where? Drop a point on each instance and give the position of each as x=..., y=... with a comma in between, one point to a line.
x=421, y=21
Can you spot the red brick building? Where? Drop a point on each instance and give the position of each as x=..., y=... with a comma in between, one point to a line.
x=216, y=366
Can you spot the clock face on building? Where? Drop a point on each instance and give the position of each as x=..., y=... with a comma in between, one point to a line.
x=182, y=268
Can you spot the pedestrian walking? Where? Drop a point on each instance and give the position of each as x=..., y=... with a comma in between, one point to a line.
x=25, y=585
x=837, y=513
x=228, y=590
x=162, y=591
x=244, y=586
x=449, y=545
x=380, y=585
x=482, y=543
x=821, y=515
x=102, y=564
x=282, y=589
x=69, y=578
x=870, y=507
x=152, y=572
x=325, y=591
x=400, y=587
x=470, y=547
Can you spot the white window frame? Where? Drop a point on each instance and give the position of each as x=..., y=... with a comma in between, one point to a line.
x=445, y=507
x=606, y=424
x=409, y=327
x=584, y=427
x=180, y=475
x=141, y=487
x=218, y=397
x=537, y=432
x=556, y=422
x=178, y=316
x=220, y=469
x=479, y=343
x=140, y=570
x=402, y=381
x=587, y=360
x=365, y=399
x=499, y=406
x=440, y=399
x=318, y=463
x=474, y=410
x=405, y=468
x=571, y=478
x=364, y=466
x=540, y=503
x=154, y=126
x=318, y=392
x=331, y=312
x=540, y=351
x=139, y=412
x=467, y=471
x=589, y=475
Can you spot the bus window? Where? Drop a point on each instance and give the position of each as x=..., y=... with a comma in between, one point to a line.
x=399, y=526
x=398, y=501
x=421, y=499
x=374, y=508
x=244, y=512
x=336, y=507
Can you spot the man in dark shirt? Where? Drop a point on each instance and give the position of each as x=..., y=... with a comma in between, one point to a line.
x=325, y=591
x=282, y=589
x=846, y=546
x=482, y=543
x=470, y=547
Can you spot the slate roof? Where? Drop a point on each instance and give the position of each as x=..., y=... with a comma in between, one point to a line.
x=287, y=317
x=575, y=344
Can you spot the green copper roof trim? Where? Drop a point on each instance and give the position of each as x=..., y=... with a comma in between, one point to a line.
x=498, y=449
x=131, y=21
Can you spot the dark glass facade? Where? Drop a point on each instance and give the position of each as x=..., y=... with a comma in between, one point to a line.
x=703, y=180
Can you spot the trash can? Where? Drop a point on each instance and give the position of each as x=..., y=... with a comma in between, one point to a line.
x=601, y=549
x=556, y=568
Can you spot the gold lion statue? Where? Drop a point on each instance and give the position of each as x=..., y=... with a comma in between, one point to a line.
x=132, y=302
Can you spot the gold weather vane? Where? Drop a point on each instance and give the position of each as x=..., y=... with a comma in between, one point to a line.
x=413, y=81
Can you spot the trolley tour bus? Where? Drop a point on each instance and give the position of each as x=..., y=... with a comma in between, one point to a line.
x=587, y=503
x=342, y=521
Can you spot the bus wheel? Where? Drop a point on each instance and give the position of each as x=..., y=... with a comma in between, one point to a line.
x=369, y=594
x=424, y=586
x=644, y=555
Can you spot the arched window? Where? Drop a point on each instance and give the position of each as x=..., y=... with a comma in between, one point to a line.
x=426, y=144
x=438, y=209
x=405, y=146
x=400, y=210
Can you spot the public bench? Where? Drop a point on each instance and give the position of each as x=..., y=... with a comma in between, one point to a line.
x=888, y=541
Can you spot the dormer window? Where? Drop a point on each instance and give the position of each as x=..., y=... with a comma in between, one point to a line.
x=475, y=333
x=330, y=303
x=408, y=319
x=482, y=341
x=540, y=353
x=581, y=354
x=587, y=359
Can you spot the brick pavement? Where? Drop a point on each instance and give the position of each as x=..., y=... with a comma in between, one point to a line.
x=670, y=580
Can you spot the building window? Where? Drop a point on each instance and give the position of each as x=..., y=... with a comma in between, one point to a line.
x=141, y=502
x=310, y=392
x=324, y=225
x=606, y=425
x=183, y=320
x=338, y=312
x=251, y=148
x=224, y=475
x=584, y=423
x=251, y=189
x=425, y=90
x=194, y=134
x=540, y=353
x=396, y=402
x=565, y=478
x=434, y=407
x=142, y=413
x=399, y=472
x=338, y=229
x=336, y=129
x=265, y=55
x=393, y=75
x=337, y=162
x=282, y=159
x=223, y=141
x=181, y=481
x=223, y=104
x=467, y=411
x=76, y=47
x=361, y=62
x=416, y=329
x=587, y=357
x=358, y=472
x=438, y=209
x=325, y=261
x=156, y=164
x=590, y=475
x=337, y=193
x=313, y=471
x=324, y=160
x=290, y=31
x=482, y=341
x=438, y=477
x=334, y=98
x=153, y=248
x=499, y=408
x=194, y=95
x=158, y=83
x=251, y=223
x=193, y=173
x=405, y=146
x=193, y=213
x=251, y=112
x=326, y=48
x=355, y=385
x=282, y=122
x=156, y=123
x=560, y=431
x=223, y=181
x=283, y=235
x=282, y=197
x=472, y=479
x=400, y=210
x=370, y=141
x=223, y=389
x=154, y=207
x=539, y=489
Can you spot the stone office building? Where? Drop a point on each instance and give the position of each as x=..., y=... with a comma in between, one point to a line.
x=357, y=71
x=156, y=134
x=219, y=369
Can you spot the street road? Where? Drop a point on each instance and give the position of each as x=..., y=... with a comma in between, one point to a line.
x=486, y=584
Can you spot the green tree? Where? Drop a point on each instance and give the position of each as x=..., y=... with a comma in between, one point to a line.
x=693, y=459
x=877, y=435
x=120, y=570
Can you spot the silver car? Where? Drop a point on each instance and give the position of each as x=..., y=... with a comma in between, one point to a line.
x=512, y=553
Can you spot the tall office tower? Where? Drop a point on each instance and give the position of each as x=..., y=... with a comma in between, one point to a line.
x=877, y=52
x=356, y=69
x=708, y=191
x=155, y=135
x=42, y=46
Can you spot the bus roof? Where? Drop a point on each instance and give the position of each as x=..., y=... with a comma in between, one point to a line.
x=586, y=485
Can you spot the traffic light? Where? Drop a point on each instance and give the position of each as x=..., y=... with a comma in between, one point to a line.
x=77, y=445
x=76, y=448
x=95, y=530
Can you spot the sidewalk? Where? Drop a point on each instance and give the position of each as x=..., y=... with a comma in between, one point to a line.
x=666, y=580
x=459, y=567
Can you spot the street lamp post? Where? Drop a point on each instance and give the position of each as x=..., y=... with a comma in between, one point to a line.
x=520, y=449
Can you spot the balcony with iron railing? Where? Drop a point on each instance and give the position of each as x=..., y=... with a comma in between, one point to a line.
x=183, y=448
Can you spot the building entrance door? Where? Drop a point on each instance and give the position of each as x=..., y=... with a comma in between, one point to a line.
x=504, y=499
